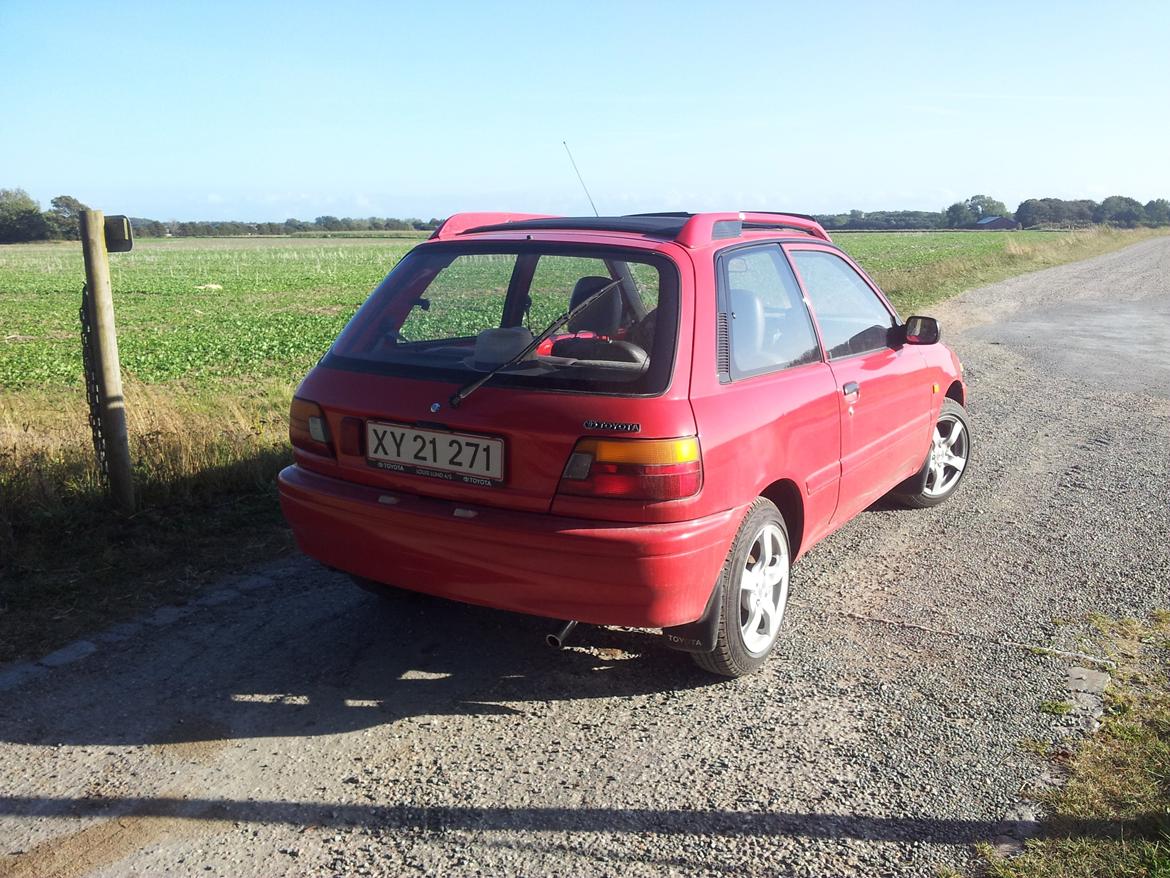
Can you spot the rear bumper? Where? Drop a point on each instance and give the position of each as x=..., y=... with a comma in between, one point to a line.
x=640, y=575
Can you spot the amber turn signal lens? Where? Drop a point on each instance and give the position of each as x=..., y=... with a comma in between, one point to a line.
x=647, y=452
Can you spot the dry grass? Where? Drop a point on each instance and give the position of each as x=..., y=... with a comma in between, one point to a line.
x=916, y=279
x=181, y=441
x=204, y=462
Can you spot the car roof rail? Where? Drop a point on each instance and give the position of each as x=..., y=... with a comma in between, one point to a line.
x=702, y=228
x=458, y=223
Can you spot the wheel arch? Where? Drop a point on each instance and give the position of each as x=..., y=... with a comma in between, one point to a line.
x=701, y=635
x=786, y=495
x=955, y=392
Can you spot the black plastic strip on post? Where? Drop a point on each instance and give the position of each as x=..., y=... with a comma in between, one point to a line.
x=92, y=389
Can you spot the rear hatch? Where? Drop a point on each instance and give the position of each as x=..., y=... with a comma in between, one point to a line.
x=450, y=314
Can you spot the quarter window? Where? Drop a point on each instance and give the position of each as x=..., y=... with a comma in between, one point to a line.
x=852, y=318
x=769, y=325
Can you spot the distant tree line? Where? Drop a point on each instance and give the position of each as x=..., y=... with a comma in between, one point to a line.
x=149, y=228
x=1116, y=210
x=881, y=219
x=21, y=218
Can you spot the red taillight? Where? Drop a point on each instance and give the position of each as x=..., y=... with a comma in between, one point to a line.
x=634, y=469
x=307, y=428
x=351, y=436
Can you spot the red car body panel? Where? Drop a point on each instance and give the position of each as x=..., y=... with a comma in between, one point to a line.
x=524, y=546
x=544, y=434
x=640, y=575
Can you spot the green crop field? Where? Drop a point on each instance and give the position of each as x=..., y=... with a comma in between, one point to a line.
x=195, y=309
x=214, y=336
x=188, y=308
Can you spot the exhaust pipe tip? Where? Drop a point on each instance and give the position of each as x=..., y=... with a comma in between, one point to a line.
x=557, y=639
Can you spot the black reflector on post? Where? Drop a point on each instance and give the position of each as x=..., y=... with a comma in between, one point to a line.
x=119, y=234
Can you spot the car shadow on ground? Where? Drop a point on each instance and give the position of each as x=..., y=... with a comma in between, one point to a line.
x=663, y=821
x=335, y=659
x=889, y=503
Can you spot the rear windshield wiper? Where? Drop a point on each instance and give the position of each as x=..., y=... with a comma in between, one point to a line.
x=467, y=389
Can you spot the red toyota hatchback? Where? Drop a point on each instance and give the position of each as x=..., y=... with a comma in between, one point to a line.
x=637, y=420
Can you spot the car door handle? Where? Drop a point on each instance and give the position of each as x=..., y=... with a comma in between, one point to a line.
x=852, y=391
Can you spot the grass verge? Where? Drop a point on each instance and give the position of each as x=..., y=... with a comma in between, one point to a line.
x=205, y=461
x=928, y=267
x=1111, y=819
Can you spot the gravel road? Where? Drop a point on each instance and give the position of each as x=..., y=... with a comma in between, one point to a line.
x=290, y=724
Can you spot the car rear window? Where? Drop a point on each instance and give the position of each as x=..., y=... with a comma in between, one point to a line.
x=450, y=312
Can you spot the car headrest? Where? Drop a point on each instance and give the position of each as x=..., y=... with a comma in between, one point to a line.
x=495, y=346
x=604, y=316
x=747, y=311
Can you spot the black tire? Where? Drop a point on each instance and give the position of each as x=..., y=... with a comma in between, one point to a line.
x=733, y=656
x=923, y=494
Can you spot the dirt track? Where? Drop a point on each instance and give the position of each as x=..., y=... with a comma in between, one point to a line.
x=294, y=725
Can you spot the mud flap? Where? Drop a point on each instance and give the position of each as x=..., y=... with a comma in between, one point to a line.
x=916, y=484
x=700, y=635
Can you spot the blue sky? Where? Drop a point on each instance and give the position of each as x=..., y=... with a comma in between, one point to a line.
x=262, y=111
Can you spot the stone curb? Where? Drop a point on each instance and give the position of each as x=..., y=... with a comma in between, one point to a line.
x=19, y=673
x=229, y=589
x=67, y=655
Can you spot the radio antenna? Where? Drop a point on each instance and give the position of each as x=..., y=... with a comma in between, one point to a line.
x=565, y=144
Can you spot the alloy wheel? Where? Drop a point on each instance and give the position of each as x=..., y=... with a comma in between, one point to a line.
x=948, y=456
x=763, y=589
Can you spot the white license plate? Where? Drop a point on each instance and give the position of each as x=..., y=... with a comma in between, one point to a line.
x=456, y=456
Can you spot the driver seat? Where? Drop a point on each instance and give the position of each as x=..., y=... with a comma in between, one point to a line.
x=604, y=316
x=601, y=320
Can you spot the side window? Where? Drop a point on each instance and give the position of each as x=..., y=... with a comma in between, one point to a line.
x=852, y=318
x=768, y=324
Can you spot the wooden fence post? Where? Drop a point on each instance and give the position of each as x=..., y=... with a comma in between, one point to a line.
x=104, y=355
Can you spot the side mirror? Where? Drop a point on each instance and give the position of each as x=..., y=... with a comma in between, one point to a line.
x=922, y=330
